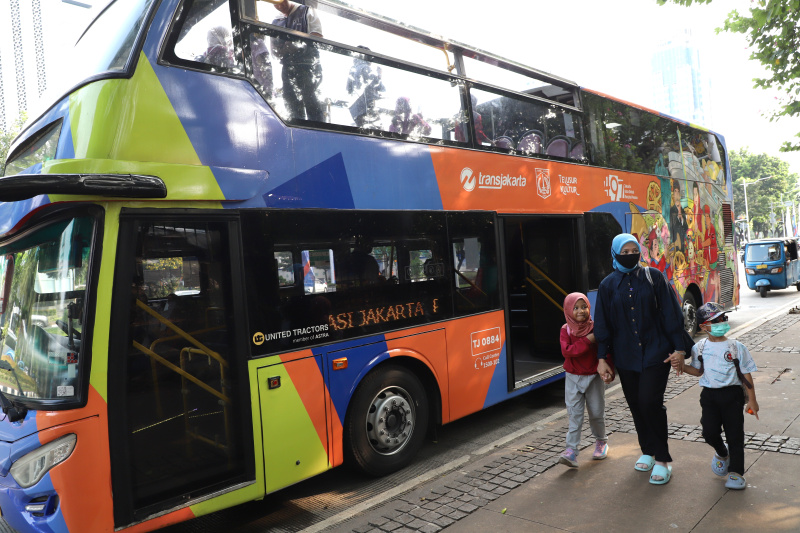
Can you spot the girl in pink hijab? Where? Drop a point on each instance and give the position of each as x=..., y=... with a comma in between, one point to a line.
x=583, y=387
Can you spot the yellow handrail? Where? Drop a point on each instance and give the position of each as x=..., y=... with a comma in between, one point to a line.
x=197, y=344
x=179, y=371
x=539, y=271
x=535, y=286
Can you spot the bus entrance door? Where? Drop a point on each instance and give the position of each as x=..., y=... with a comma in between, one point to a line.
x=541, y=269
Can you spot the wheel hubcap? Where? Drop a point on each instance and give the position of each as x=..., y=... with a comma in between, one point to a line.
x=390, y=420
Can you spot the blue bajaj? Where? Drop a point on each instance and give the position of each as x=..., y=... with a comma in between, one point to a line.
x=771, y=264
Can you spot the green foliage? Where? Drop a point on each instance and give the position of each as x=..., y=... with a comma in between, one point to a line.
x=8, y=136
x=747, y=167
x=773, y=32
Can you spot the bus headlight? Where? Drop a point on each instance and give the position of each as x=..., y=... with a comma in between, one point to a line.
x=749, y=270
x=32, y=467
x=776, y=270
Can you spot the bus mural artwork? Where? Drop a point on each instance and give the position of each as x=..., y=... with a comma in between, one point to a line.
x=238, y=251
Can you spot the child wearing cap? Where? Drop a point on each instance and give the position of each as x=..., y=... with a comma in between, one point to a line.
x=724, y=366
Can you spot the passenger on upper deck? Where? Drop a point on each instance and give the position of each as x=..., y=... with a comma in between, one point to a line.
x=461, y=129
x=361, y=75
x=262, y=66
x=404, y=122
x=302, y=70
x=219, y=52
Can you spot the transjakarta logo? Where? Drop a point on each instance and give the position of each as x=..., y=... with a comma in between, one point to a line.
x=490, y=181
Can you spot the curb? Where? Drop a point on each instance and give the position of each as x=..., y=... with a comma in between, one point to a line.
x=740, y=330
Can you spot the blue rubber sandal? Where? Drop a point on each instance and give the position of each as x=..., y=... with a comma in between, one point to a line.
x=665, y=472
x=645, y=460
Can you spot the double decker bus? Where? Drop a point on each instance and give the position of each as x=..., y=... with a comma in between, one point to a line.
x=242, y=248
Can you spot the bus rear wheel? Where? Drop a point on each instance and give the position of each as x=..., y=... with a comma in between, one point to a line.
x=387, y=421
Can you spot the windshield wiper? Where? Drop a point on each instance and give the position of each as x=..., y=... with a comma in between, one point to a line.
x=12, y=409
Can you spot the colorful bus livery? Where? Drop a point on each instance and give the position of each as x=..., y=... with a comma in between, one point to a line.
x=240, y=251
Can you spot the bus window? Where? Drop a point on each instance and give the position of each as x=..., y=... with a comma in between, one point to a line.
x=347, y=29
x=380, y=269
x=324, y=84
x=500, y=77
x=206, y=37
x=285, y=268
x=474, y=256
x=528, y=126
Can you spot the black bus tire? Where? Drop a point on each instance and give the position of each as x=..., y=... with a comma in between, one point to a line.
x=689, y=309
x=763, y=291
x=386, y=422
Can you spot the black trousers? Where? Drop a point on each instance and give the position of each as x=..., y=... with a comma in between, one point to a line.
x=644, y=392
x=300, y=82
x=724, y=409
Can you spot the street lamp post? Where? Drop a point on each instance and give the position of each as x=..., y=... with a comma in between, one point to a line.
x=746, y=210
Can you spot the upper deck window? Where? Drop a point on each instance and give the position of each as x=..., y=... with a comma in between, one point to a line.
x=108, y=43
x=514, y=81
x=627, y=138
x=206, y=37
x=339, y=25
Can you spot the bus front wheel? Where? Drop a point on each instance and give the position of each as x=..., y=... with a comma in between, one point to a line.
x=387, y=421
x=762, y=290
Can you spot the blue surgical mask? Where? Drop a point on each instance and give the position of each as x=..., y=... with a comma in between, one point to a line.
x=719, y=330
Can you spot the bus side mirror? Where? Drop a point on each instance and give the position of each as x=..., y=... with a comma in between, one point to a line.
x=8, y=277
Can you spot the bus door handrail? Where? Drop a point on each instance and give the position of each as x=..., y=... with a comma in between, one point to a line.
x=223, y=395
x=147, y=351
x=546, y=277
x=197, y=344
x=536, y=286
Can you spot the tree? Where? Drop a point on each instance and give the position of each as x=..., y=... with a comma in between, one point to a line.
x=774, y=36
x=765, y=196
x=8, y=136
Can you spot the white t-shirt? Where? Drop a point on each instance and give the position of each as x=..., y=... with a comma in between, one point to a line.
x=718, y=368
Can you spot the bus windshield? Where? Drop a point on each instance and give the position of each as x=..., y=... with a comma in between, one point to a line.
x=108, y=42
x=43, y=282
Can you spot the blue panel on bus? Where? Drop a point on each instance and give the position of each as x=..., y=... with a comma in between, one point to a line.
x=363, y=356
x=376, y=177
x=12, y=212
x=324, y=185
x=66, y=148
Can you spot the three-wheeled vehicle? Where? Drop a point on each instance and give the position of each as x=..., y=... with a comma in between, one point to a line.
x=771, y=264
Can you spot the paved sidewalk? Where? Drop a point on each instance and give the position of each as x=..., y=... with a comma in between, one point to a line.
x=521, y=487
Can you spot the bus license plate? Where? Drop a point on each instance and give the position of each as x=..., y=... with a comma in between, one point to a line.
x=761, y=267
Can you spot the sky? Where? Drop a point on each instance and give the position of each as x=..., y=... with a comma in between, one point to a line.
x=602, y=45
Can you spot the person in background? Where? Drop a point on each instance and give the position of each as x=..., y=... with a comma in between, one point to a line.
x=262, y=66
x=639, y=320
x=404, y=122
x=582, y=385
x=220, y=48
x=729, y=366
x=477, y=119
x=361, y=75
x=302, y=71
